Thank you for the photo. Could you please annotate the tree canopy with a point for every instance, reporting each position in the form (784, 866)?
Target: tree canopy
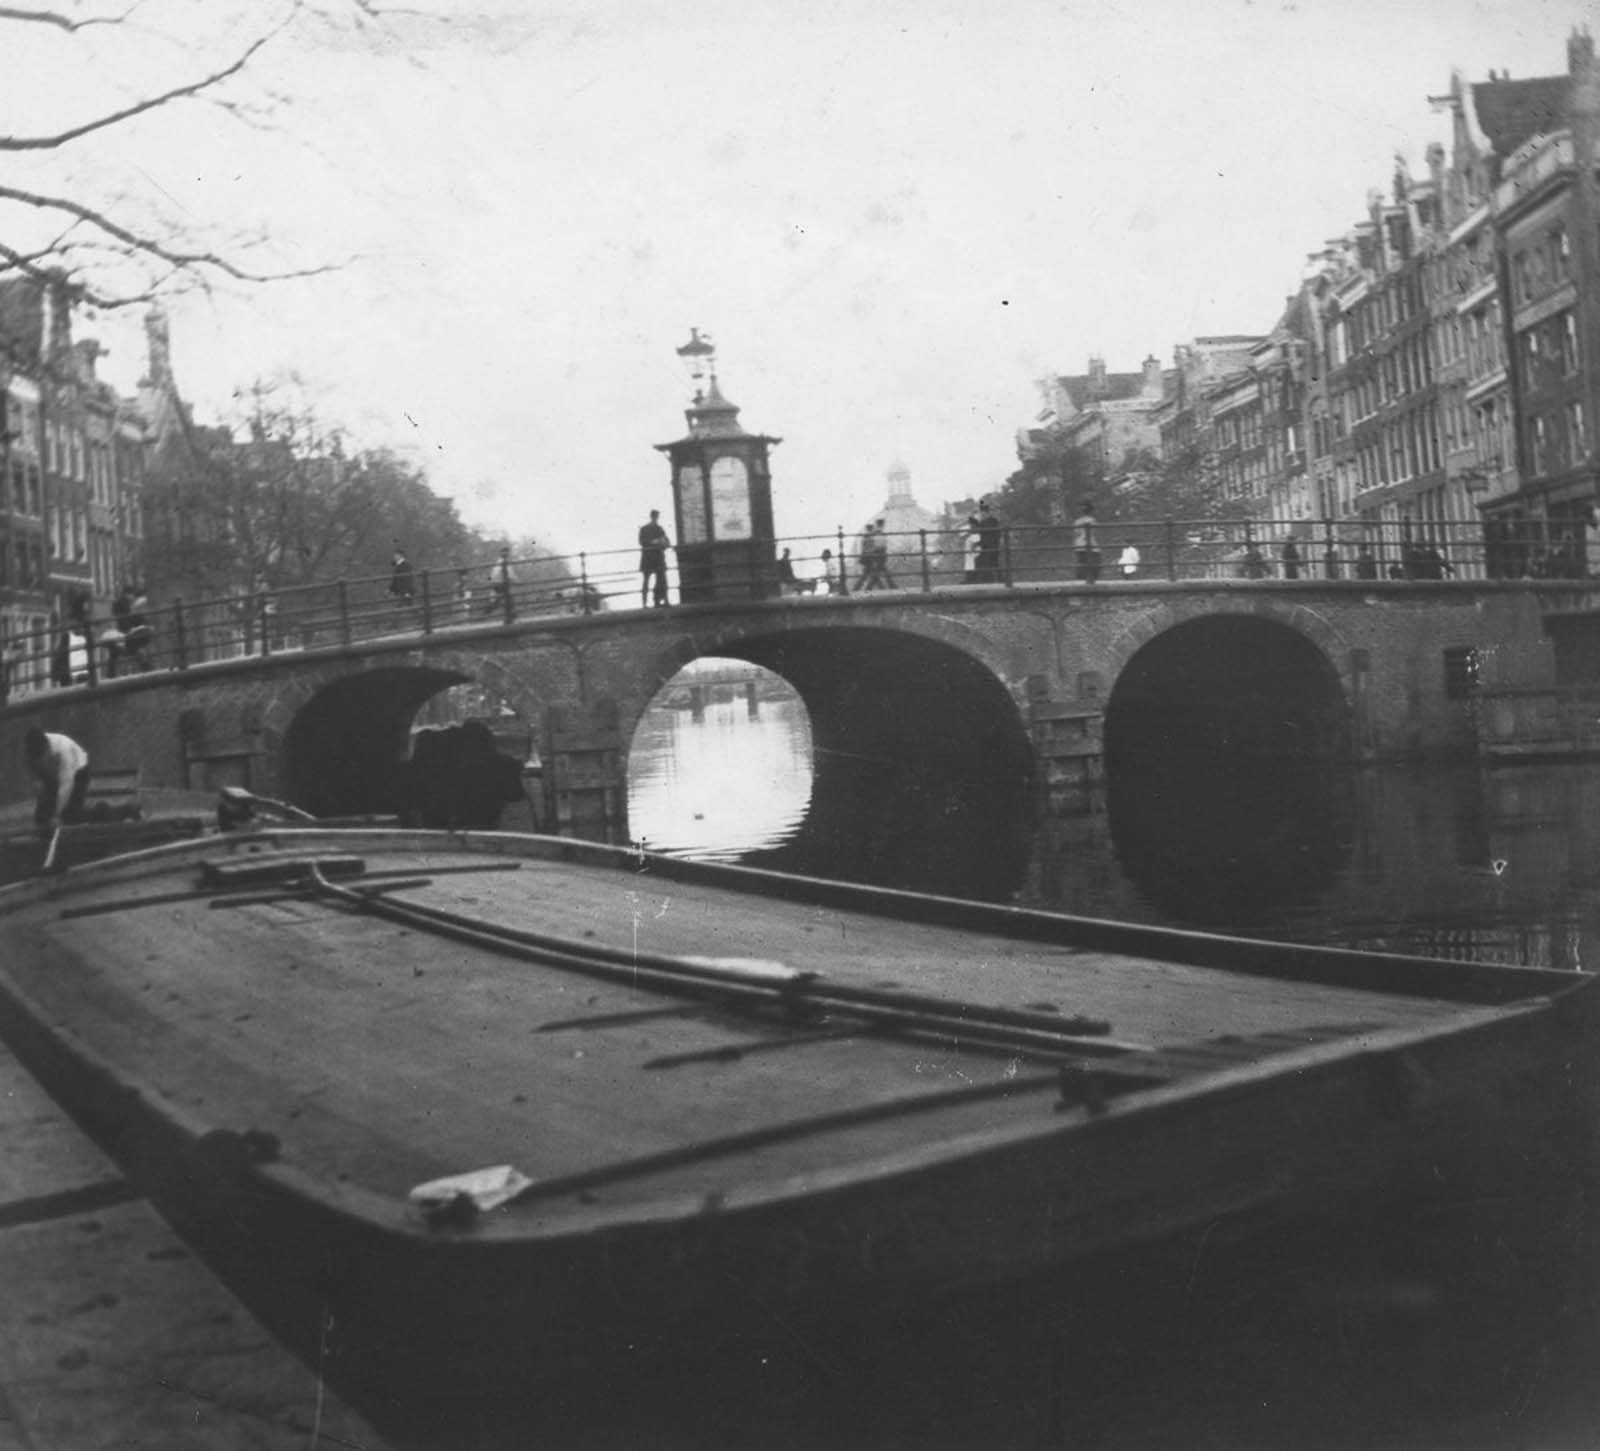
(279, 499)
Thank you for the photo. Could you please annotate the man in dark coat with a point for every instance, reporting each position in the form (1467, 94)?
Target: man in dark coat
(401, 582)
(653, 547)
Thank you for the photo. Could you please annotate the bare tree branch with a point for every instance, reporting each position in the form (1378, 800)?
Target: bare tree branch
(149, 246)
(150, 103)
(115, 257)
(62, 22)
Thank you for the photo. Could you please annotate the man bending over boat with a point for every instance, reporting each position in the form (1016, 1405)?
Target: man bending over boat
(61, 767)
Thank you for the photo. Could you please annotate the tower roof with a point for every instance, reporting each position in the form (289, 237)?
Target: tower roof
(713, 416)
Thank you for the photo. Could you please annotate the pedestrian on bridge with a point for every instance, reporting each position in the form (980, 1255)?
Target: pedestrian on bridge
(874, 554)
(653, 547)
(500, 585)
(1087, 543)
(788, 583)
(989, 530)
(401, 580)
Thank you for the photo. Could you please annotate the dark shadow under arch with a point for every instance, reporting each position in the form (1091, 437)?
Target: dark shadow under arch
(1229, 783)
(341, 751)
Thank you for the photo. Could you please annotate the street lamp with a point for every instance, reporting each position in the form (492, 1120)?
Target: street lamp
(699, 356)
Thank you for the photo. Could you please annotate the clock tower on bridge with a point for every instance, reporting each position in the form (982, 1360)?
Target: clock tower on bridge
(722, 493)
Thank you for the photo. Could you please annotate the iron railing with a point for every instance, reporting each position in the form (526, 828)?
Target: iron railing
(264, 622)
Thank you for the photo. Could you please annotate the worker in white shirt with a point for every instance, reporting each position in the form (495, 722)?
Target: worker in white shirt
(61, 767)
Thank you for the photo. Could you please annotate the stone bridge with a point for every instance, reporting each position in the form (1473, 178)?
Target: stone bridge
(975, 686)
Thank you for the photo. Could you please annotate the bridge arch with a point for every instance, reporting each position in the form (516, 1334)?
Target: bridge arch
(330, 738)
(917, 743)
(1294, 615)
(1228, 746)
(1246, 680)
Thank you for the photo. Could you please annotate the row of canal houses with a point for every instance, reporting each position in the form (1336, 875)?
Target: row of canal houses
(1434, 378)
(74, 455)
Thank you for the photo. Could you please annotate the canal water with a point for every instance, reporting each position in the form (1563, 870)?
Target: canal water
(1494, 865)
(1465, 1331)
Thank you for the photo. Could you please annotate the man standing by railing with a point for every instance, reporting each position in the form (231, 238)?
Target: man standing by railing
(401, 580)
(1086, 543)
(500, 584)
(653, 547)
(989, 531)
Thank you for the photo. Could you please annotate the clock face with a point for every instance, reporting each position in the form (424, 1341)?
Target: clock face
(730, 498)
(691, 505)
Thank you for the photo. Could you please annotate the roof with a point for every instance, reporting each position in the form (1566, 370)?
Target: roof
(1509, 112)
(1081, 388)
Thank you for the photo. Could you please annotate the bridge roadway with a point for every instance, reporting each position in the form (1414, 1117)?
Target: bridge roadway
(976, 684)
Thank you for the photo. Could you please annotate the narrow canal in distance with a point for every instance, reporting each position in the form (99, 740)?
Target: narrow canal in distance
(1458, 862)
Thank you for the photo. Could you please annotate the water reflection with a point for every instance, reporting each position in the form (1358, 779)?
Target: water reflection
(720, 784)
(1236, 847)
(1459, 862)
(888, 823)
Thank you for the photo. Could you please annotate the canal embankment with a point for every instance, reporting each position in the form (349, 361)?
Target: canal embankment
(112, 1334)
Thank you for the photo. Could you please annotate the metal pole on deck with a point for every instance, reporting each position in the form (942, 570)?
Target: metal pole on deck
(927, 576)
(583, 581)
(344, 613)
(1172, 550)
(180, 646)
(427, 602)
(844, 572)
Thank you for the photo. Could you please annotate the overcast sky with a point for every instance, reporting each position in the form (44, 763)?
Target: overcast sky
(892, 219)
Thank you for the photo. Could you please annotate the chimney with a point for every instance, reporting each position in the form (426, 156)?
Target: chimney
(1152, 376)
(1097, 377)
(1580, 51)
(86, 352)
(55, 318)
(158, 348)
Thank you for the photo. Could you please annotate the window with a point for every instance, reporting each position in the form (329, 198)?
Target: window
(1561, 252)
(1460, 672)
(1577, 435)
(1569, 344)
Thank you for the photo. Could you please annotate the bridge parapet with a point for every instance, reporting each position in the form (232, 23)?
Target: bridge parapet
(1055, 652)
